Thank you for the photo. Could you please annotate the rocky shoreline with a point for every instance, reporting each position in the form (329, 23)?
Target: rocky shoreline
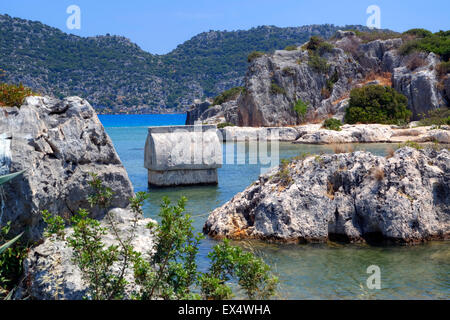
(352, 197)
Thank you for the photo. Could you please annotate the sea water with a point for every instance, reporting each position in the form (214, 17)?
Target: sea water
(312, 271)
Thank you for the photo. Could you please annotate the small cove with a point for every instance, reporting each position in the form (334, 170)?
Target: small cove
(313, 271)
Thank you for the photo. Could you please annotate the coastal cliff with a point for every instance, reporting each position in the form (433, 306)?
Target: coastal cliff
(300, 84)
(350, 197)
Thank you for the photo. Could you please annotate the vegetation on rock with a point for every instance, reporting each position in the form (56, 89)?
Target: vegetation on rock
(12, 253)
(332, 124)
(13, 95)
(171, 272)
(301, 108)
(436, 117)
(423, 40)
(276, 89)
(228, 95)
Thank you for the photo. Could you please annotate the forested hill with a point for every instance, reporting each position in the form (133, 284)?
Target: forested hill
(115, 75)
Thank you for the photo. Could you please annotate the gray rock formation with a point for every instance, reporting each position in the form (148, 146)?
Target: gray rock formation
(205, 113)
(195, 111)
(58, 143)
(352, 197)
(50, 273)
(420, 86)
(274, 83)
(182, 155)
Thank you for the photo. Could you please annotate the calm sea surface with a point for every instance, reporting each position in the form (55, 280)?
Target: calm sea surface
(324, 271)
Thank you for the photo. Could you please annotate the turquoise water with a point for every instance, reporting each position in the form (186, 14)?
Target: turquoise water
(314, 271)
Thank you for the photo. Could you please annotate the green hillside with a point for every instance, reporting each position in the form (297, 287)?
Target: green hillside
(115, 75)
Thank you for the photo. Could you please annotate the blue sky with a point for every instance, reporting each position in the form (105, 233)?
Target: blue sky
(159, 26)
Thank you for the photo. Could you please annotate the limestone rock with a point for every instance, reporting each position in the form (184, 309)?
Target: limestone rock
(420, 86)
(58, 143)
(351, 197)
(349, 134)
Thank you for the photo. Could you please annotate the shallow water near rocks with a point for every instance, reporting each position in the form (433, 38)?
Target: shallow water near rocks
(313, 271)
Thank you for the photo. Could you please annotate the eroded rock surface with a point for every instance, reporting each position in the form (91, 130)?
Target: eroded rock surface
(58, 143)
(352, 197)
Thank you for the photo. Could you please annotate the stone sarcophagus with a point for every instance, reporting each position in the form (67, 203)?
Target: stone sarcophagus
(182, 155)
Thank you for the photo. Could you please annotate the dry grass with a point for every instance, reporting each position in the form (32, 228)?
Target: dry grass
(378, 174)
(415, 60)
(342, 148)
(383, 78)
(390, 152)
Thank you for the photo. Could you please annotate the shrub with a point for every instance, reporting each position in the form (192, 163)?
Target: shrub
(276, 89)
(224, 125)
(419, 33)
(13, 95)
(377, 104)
(318, 63)
(438, 43)
(228, 95)
(301, 108)
(12, 253)
(369, 36)
(255, 54)
(283, 175)
(436, 117)
(290, 48)
(325, 47)
(443, 68)
(332, 124)
(171, 272)
(314, 43)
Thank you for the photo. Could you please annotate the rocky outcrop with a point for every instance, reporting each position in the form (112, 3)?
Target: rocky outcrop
(58, 143)
(274, 83)
(205, 113)
(349, 197)
(420, 85)
(49, 270)
(195, 111)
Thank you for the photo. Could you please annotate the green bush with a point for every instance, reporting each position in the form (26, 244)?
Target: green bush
(228, 95)
(224, 125)
(318, 63)
(255, 54)
(332, 124)
(290, 48)
(436, 117)
(12, 252)
(13, 95)
(276, 89)
(301, 108)
(419, 33)
(438, 43)
(377, 104)
(314, 43)
(325, 47)
(369, 36)
(171, 272)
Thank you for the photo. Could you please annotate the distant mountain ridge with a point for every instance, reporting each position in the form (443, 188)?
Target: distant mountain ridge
(117, 76)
